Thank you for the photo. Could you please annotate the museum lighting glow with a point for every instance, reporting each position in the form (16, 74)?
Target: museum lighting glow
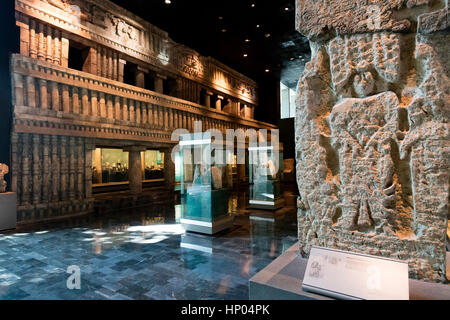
(174, 229)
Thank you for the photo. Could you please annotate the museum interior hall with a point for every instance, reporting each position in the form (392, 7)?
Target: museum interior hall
(225, 150)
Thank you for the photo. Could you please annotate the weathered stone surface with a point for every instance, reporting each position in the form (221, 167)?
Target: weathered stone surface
(326, 18)
(3, 171)
(372, 131)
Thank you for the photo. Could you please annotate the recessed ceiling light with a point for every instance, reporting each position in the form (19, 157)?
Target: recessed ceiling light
(245, 55)
(258, 26)
(247, 40)
(267, 70)
(253, 5)
(168, 2)
(286, 9)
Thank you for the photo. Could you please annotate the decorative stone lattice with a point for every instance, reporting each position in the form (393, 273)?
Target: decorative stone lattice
(372, 132)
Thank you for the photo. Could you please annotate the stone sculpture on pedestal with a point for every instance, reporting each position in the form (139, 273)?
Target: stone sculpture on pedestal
(4, 170)
(372, 131)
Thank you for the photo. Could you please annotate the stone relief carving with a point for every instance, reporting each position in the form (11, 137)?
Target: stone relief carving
(372, 132)
(4, 170)
(188, 61)
(121, 28)
(82, 10)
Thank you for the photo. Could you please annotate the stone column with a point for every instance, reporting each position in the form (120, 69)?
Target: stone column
(138, 112)
(207, 96)
(159, 83)
(91, 61)
(135, 168)
(75, 101)
(36, 170)
(26, 183)
(31, 92)
(33, 40)
(15, 158)
(89, 147)
(24, 37)
(49, 45)
(121, 69)
(55, 96)
(65, 99)
(43, 94)
(110, 106)
(102, 104)
(57, 47)
(18, 89)
(41, 42)
(94, 103)
(140, 76)
(79, 187)
(46, 174)
(169, 169)
(219, 100)
(64, 50)
(85, 101)
(118, 113)
(55, 168)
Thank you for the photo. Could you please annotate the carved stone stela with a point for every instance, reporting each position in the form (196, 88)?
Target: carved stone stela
(372, 132)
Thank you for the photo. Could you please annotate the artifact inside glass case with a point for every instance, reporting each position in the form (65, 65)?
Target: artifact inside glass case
(265, 174)
(206, 181)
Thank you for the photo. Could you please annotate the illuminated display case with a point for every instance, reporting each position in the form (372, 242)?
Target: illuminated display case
(265, 175)
(206, 183)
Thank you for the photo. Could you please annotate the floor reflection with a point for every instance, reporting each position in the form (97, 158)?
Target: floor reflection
(141, 254)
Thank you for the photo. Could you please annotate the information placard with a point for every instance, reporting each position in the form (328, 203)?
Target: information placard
(347, 275)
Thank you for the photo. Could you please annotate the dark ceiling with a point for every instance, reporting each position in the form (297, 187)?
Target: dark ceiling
(229, 29)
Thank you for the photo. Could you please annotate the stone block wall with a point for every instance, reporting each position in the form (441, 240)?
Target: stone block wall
(52, 176)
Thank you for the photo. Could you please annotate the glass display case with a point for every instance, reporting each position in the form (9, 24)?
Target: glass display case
(109, 166)
(206, 182)
(265, 174)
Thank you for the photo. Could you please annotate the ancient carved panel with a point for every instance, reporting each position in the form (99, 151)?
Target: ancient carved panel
(372, 132)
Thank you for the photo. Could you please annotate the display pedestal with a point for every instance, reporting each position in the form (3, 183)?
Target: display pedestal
(282, 280)
(8, 211)
(266, 205)
(268, 216)
(207, 227)
(197, 242)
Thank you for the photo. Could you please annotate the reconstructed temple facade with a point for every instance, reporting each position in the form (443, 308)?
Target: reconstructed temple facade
(372, 131)
(97, 92)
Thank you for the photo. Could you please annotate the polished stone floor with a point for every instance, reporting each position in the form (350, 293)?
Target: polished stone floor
(140, 254)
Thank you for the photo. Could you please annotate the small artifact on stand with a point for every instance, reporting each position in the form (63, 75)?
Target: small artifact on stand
(4, 170)
(8, 200)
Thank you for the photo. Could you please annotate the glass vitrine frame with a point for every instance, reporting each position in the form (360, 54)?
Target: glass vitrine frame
(205, 184)
(265, 169)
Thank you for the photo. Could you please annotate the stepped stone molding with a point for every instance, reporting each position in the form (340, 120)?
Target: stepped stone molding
(106, 24)
(372, 130)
